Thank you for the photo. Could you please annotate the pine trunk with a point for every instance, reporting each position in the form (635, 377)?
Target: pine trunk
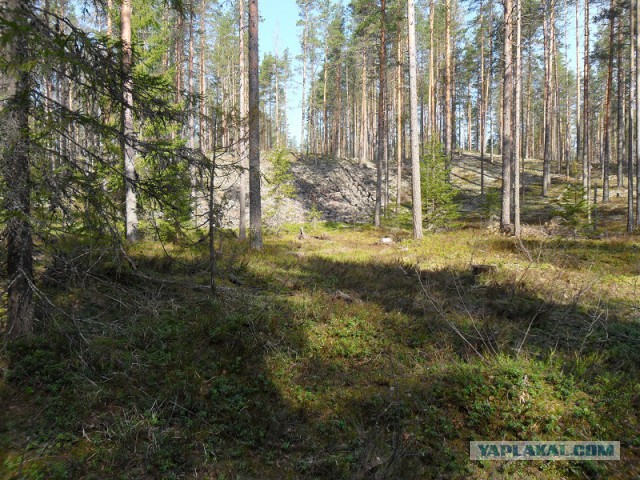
(507, 132)
(244, 131)
(448, 86)
(399, 125)
(516, 124)
(607, 110)
(255, 200)
(413, 109)
(381, 116)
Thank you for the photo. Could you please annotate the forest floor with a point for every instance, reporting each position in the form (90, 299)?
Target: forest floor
(333, 356)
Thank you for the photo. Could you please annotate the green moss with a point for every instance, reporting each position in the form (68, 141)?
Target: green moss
(333, 352)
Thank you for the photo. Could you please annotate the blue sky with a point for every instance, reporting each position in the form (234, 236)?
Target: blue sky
(278, 29)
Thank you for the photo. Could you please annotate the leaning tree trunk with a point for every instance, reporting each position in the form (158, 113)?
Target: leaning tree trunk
(255, 200)
(15, 88)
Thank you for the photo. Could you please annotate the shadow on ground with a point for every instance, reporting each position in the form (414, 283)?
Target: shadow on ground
(316, 368)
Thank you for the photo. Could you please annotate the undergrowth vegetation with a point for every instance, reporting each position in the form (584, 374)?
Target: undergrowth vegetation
(332, 357)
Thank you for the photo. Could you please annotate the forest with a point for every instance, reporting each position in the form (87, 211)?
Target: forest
(401, 227)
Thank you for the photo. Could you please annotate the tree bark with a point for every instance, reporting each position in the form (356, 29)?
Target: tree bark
(131, 215)
(630, 121)
(636, 94)
(578, 92)
(202, 81)
(255, 200)
(381, 115)
(482, 110)
(516, 124)
(586, 146)
(549, 119)
(620, 108)
(448, 86)
(431, 91)
(244, 131)
(413, 109)
(305, 47)
(179, 46)
(399, 125)
(607, 110)
(507, 132)
(14, 123)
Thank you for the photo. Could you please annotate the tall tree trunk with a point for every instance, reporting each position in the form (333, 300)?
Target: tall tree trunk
(109, 21)
(578, 100)
(325, 112)
(14, 123)
(469, 143)
(549, 118)
(244, 130)
(568, 121)
(276, 77)
(336, 141)
(202, 81)
(399, 126)
(363, 114)
(413, 110)
(448, 86)
(179, 46)
(482, 107)
(636, 95)
(620, 80)
(255, 199)
(517, 124)
(631, 147)
(381, 114)
(528, 139)
(607, 110)
(431, 91)
(305, 48)
(488, 93)
(211, 213)
(131, 215)
(191, 134)
(586, 138)
(507, 112)
(191, 83)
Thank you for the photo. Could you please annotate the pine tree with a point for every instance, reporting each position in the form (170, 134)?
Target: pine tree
(16, 83)
(255, 199)
(416, 194)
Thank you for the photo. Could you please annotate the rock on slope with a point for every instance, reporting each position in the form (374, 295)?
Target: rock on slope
(335, 190)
